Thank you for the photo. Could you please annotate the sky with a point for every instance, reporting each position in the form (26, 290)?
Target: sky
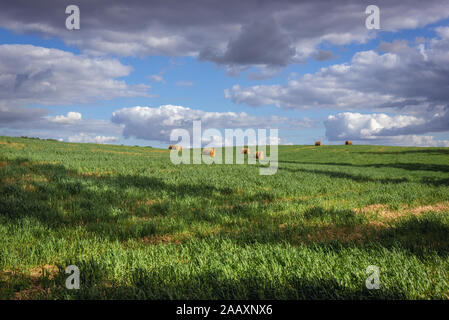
(136, 70)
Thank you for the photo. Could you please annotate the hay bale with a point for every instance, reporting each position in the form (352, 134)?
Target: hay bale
(209, 152)
(348, 142)
(246, 151)
(259, 155)
(318, 143)
(174, 147)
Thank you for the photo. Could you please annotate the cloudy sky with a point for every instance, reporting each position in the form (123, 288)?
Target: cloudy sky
(135, 70)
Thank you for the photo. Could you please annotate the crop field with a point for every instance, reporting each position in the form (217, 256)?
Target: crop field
(140, 227)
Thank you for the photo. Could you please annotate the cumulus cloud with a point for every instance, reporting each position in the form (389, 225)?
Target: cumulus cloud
(71, 117)
(37, 75)
(260, 42)
(157, 123)
(356, 126)
(38, 122)
(89, 138)
(372, 79)
(410, 140)
(378, 128)
(419, 141)
(235, 33)
(31, 75)
(403, 79)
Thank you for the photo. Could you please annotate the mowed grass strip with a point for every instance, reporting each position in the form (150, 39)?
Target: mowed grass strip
(139, 227)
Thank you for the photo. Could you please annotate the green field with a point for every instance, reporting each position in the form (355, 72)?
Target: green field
(139, 227)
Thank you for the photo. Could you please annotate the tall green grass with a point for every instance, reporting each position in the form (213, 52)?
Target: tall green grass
(139, 227)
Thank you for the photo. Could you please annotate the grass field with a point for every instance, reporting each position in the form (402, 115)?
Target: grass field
(139, 227)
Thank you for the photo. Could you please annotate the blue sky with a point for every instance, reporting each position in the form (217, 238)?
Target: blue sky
(189, 80)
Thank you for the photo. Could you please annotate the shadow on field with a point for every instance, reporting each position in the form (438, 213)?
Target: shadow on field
(435, 181)
(418, 236)
(211, 284)
(429, 151)
(344, 175)
(214, 284)
(103, 205)
(405, 166)
(361, 178)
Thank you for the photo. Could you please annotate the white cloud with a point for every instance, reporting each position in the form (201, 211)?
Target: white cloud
(37, 75)
(411, 81)
(71, 117)
(374, 128)
(412, 77)
(89, 138)
(356, 126)
(420, 141)
(234, 33)
(410, 140)
(36, 122)
(157, 123)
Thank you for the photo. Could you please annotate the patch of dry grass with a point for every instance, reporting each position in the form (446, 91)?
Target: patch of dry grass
(382, 211)
(14, 145)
